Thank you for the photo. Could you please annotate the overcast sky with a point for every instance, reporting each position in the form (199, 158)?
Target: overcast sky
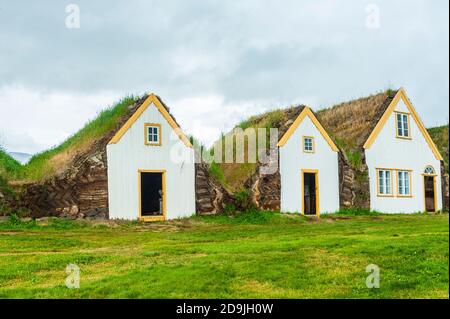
(213, 62)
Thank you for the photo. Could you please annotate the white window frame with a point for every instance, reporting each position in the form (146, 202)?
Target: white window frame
(313, 147)
(404, 183)
(426, 172)
(385, 185)
(402, 125)
(147, 134)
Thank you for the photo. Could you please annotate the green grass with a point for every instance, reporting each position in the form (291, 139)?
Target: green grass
(9, 169)
(269, 119)
(249, 255)
(216, 172)
(45, 164)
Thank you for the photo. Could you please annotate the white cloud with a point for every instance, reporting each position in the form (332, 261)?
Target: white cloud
(32, 121)
(206, 117)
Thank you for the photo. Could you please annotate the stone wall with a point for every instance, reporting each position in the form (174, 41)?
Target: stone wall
(265, 188)
(361, 185)
(81, 189)
(80, 192)
(211, 196)
(354, 185)
(346, 182)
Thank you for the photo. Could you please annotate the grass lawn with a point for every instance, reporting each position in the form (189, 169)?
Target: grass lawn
(258, 255)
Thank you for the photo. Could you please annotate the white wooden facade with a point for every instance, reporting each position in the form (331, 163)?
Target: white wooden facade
(321, 160)
(385, 151)
(129, 154)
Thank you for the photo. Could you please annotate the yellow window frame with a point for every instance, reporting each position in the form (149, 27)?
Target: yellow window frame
(313, 144)
(396, 113)
(146, 141)
(378, 182)
(398, 182)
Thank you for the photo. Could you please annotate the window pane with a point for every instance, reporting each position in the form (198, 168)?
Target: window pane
(381, 182)
(308, 142)
(403, 183)
(388, 182)
(153, 134)
(399, 125)
(407, 190)
(405, 125)
(402, 125)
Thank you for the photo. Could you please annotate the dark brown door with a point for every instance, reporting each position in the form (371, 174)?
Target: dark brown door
(309, 193)
(151, 194)
(429, 193)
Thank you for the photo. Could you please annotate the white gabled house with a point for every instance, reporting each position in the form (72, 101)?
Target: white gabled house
(151, 167)
(309, 170)
(403, 162)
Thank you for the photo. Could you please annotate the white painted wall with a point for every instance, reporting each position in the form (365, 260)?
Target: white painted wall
(388, 151)
(293, 160)
(131, 154)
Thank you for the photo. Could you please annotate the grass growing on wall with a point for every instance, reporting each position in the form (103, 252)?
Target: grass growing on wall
(249, 255)
(440, 138)
(216, 172)
(47, 163)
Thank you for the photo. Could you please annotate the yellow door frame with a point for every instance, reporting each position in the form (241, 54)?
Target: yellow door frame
(163, 178)
(316, 175)
(434, 192)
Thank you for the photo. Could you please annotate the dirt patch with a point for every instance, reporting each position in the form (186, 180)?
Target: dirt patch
(339, 217)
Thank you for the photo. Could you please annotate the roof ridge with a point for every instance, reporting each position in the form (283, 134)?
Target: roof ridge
(390, 94)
